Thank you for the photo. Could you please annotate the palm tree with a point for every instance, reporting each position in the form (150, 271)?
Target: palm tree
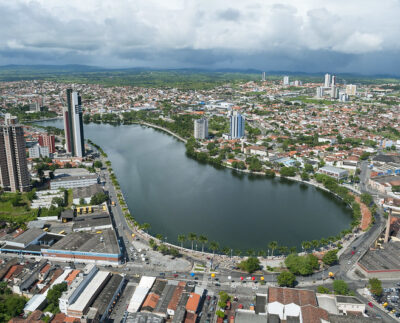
(214, 246)
(283, 250)
(238, 252)
(181, 239)
(159, 236)
(225, 250)
(145, 226)
(315, 244)
(250, 252)
(192, 237)
(273, 245)
(331, 240)
(203, 240)
(293, 249)
(323, 242)
(261, 253)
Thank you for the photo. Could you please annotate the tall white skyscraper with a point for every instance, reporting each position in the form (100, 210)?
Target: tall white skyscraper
(333, 81)
(201, 128)
(263, 77)
(286, 80)
(334, 92)
(327, 82)
(73, 125)
(237, 125)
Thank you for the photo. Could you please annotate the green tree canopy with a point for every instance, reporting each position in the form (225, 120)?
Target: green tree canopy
(330, 258)
(250, 265)
(301, 265)
(375, 286)
(340, 287)
(286, 279)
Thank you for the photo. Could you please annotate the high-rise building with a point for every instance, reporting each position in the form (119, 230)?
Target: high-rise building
(333, 81)
(73, 125)
(334, 92)
(237, 125)
(263, 77)
(327, 82)
(201, 128)
(14, 175)
(37, 151)
(320, 92)
(351, 89)
(286, 80)
(49, 141)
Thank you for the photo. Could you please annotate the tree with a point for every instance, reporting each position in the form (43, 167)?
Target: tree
(250, 252)
(182, 239)
(286, 279)
(58, 200)
(305, 176)
(220, 313)
(145, 226)
(192, 237)
(250, 265)
(82, 201)
(288, 171)
(98, 164)
(340, 287)
(315, 244)
(270, 173)
(273, 245)
(214, 246)
(366, 199)
(53, 297)
(323, 290)
(375, 286)
(16, 199)
(238, 252)
(159, 236)
(203, 240)
(301, 265)
(99, 198)
(308, 168)
(330, 258)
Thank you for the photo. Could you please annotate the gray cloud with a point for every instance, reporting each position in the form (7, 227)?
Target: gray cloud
(346, 36)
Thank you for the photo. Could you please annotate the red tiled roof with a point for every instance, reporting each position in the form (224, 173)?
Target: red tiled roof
(312, 314)
(300, 297)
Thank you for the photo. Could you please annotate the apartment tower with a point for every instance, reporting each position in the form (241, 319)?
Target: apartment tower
(237, 125)
(73, 125)
(14, 175)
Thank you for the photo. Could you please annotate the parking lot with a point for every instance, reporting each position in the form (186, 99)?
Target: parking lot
(390, 300)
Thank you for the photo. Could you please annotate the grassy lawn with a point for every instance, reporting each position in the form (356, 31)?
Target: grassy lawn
(20, 213)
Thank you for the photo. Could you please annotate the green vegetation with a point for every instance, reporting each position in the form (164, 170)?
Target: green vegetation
(286, 279)
(375, 286)
(20, 112)
(99, 198)
(53, 297)
(250, 265)
(223, 299)
(15, 207)
(323, 290)
(98, 164)
(302, 265)
(288, 171)
(11, 305)
(330, 258)
(366, 198)
(340, 287)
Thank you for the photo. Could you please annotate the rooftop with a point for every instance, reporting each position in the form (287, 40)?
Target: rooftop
(382, 259)
(291, 295)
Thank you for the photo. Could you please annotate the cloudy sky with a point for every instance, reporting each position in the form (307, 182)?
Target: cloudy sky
(361, 36)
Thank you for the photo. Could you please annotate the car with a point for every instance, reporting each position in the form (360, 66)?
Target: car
(217, 284)
(349, 262)
(398, 284)
(208, 297)
(211, 309)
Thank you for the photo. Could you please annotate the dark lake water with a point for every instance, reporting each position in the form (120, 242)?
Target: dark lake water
(178, 195)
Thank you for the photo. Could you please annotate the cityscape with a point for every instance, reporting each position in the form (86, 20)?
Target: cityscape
(162, 163)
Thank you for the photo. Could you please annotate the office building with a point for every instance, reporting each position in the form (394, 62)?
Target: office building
(237, 125)
(351, 89)
(286, 80)
(320, 92)
(14, 175)
(73, 125)
(38, 151)
(263, 77)
(201, 128)
(327, 82)
(48, 141)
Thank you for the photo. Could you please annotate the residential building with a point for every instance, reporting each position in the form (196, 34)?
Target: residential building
(320, 92)
(14, 175)
(333, 81)
(237, 125)
(351, 89)
(286, 80)
(334, 92)
(327, 82)
(47, 140)
(201, 128)
(37, 151)
(73, 125)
